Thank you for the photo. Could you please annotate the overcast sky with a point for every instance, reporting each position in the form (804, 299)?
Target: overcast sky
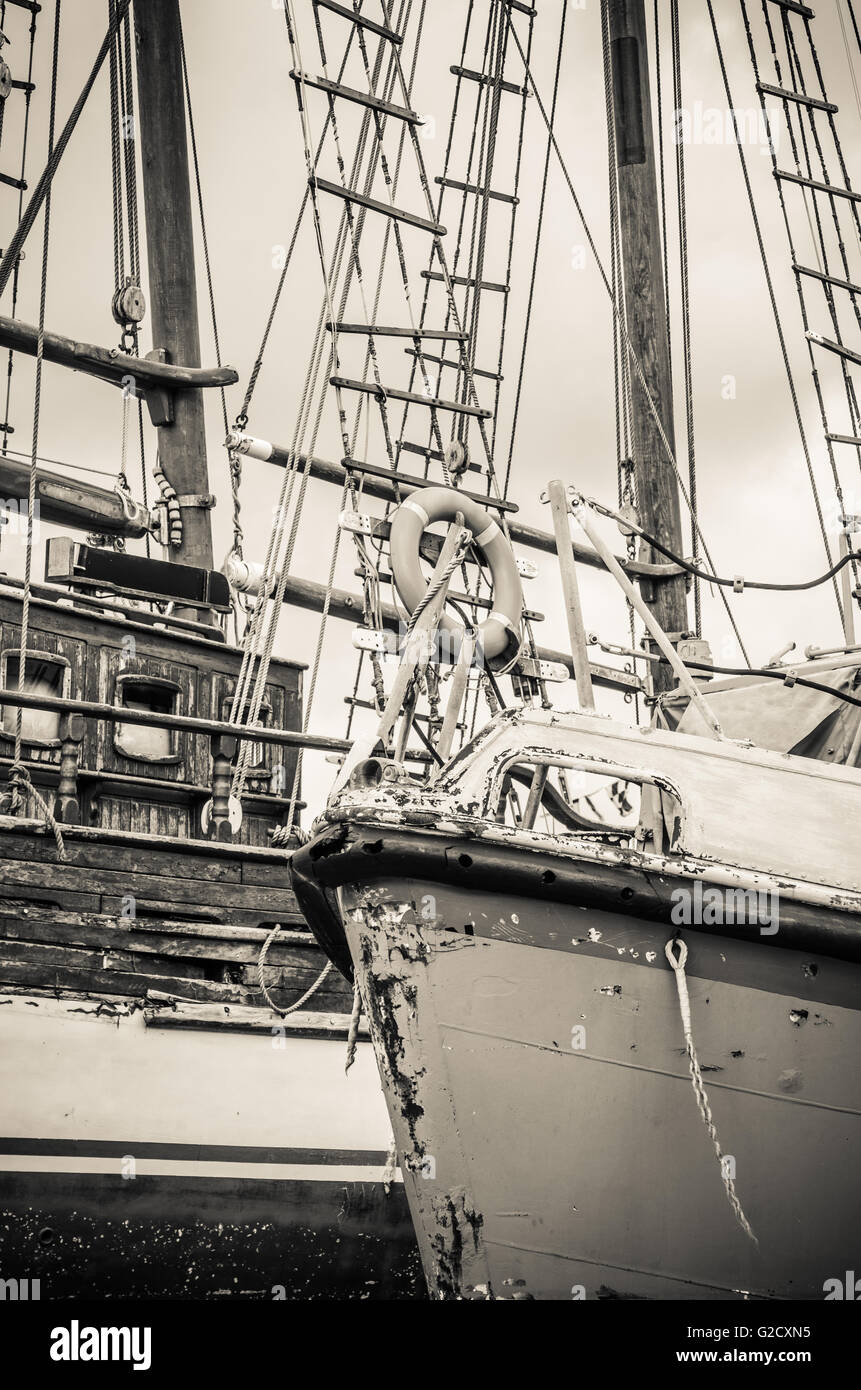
(755, 502)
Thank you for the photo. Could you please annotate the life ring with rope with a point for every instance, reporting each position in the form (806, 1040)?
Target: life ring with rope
(499, 637)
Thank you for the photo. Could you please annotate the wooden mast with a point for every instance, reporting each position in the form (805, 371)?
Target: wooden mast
(645, 308)
(170, 259)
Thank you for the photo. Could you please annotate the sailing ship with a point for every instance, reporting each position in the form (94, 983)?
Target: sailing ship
(176, 1118)
(610, 969)
(667, 901)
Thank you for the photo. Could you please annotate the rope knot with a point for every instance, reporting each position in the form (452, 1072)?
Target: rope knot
(19, 779)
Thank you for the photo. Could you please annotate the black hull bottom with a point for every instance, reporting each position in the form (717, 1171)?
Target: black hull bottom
(201, 1238)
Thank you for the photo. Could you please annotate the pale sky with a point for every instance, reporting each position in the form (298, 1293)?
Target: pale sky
(755, 502)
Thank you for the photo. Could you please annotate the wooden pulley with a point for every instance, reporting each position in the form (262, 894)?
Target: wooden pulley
(456, 457)
(128, 304)
(5, 80)
(628, 513)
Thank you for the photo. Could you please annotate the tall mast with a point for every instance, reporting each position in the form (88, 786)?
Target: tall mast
(170, 258)
(645, 308)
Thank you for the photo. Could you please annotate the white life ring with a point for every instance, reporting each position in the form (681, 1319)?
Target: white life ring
(499, 637)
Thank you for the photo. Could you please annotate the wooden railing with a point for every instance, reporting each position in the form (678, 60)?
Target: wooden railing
(224, 741)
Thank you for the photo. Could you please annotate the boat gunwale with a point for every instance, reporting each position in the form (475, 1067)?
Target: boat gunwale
(344, 853)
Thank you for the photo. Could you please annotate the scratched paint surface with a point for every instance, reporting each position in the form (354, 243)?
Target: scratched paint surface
(532, 1164)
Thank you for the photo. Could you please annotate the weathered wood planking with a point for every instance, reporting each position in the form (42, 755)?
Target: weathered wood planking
(47, 947)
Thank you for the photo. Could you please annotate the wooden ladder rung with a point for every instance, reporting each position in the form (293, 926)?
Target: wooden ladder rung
(13, 183)
(465, 280)
(20, 86)
(26, 5)
(827, 279)
(360, 20)
(384, 331)
(483, 79)
(795, 7)
(524, 9)
(844, 439)
(375, 470)
(421, 450)
(846, 353)
(370, 388)
(350, 196)
(801, 97)
(474, 188)
(819, 187)
(446, 362)
(335, 89)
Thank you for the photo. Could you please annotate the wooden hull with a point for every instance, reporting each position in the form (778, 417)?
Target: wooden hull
(187, 1161)
(549, 1133)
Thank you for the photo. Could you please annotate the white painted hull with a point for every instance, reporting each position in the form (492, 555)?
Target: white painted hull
(545, 1162)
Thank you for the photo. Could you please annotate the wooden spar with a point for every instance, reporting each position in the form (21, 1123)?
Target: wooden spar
(71, 502)
(520, 533)
(141, 375)
(659, 637)
(170, 259)
(124, 714)
(347, 607)
(846, 590)
(645, 306)
(571, 593)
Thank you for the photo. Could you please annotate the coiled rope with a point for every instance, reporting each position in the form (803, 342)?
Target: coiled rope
(678, 964)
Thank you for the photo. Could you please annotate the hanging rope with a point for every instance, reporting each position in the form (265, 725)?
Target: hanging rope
(678, 964)
(353, 1032)
(20, 783)
(18, 776)
(261, 962)
(687, 352)
(28, 93)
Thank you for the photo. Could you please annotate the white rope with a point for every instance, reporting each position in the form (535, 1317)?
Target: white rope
(678, 964)
(276, 1008)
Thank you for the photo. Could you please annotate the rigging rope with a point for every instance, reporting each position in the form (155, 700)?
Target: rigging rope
(533, 274)
(631, 351)
(28, 93)
(261, 635)
(738, 582)
(772, 296)
(18, 775)
(687, 354)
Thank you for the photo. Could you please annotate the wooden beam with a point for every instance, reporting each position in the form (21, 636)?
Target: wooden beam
(71, 502)
(119, 714)
(170, 257)
(141, 374)
(645, 304)
(377, 484)
(340, 603)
